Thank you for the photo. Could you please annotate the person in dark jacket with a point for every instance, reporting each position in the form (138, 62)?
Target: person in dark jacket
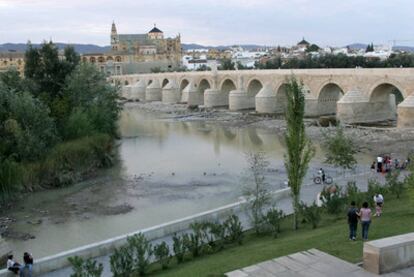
(352, 220)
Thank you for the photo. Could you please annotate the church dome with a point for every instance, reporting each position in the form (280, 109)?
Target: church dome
(155, 30)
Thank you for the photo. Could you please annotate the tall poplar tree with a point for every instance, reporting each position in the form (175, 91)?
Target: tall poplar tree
(299, 148)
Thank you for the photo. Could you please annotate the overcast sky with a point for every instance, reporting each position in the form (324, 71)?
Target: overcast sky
(211, 22)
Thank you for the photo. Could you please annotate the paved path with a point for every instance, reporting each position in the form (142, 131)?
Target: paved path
(311, 263)
(308, 195)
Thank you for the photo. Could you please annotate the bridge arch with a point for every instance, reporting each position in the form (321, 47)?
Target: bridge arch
(183, 84)
(384, 99)
(329, 94)
(203, 85)
(227, 85)
(281, 98)
(164, 82)
(253, 87)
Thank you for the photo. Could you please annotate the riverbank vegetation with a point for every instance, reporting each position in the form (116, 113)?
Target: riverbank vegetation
(57, 123)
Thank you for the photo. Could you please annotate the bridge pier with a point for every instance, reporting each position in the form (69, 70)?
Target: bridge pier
(311, 106)
(171, 93)
(240, 100)
(215, 98)
(153, 91)
(138, 90)
(266, 101)
(195, 97)
(355, 107)
(352, 108)
(126, 92)
(406, 113)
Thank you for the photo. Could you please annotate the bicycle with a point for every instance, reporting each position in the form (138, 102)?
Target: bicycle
(318, 180)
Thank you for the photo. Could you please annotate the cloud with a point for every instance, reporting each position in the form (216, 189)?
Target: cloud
(270, 22)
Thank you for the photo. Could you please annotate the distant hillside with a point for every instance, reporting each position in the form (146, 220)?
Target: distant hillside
(92, 48)
(80, 48)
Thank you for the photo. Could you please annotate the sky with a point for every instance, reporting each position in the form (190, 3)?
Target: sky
(211, 22)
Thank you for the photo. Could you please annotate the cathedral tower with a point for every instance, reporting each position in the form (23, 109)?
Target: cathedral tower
(114, 37)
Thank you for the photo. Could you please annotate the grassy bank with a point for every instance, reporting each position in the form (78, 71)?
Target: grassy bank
(331, 237)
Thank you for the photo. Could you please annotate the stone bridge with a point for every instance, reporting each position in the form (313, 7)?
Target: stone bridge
(353, 95)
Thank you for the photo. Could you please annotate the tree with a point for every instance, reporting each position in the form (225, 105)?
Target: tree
(370, 48)
(299, 148)
(340, 149)
(227, 64)
(257, 192)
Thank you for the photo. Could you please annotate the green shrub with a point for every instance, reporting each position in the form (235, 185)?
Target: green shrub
(214, 234)
(354, 194)
(82, 268)
(333, 200)
(375, 187)
(71, 161)
(179, 247)
(162, 254)
(194, 241)
(233, 229)
(394, 185)
(274, 219)
(311, 214)
(121, 262)
(141, 250)
(10, 179)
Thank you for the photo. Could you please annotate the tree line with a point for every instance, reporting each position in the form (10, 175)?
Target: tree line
(338, 61)
(57, 123)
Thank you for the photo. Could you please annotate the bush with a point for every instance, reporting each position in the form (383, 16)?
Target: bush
(233, 229)
(10, 179)
(395, 186)
(162, 254)
(274, 219)
(194, 240)
(311, 214)
(121, 262)
(375, 187)
(333, 200)
(354, 194)
(141, 251)
(179, 248)
(82, 268)
(71, 161)
(215, 234)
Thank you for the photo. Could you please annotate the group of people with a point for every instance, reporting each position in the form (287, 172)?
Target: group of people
(25, 270)
(363, 215)
(385, 163)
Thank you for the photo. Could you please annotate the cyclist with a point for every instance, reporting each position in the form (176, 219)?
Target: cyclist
(321, 172)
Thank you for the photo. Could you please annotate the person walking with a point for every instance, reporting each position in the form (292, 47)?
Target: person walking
(352, 221)
(379, 202)
(365, 216)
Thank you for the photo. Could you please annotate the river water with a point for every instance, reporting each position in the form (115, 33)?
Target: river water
(168, 169)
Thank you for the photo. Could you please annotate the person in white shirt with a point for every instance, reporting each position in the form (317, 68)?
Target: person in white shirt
(12, 265)
(379, 201)
(380, 160)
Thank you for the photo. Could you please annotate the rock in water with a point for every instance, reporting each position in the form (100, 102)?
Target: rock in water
(4, 251)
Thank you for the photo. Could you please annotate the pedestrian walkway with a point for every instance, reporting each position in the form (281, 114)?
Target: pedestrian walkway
(311, 263)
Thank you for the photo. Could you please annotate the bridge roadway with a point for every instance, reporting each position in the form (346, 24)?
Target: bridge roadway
(354, 95)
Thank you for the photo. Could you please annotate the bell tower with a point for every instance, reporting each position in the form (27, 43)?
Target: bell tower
(114, 37)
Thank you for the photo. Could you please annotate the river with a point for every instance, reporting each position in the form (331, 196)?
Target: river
(167, 169)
